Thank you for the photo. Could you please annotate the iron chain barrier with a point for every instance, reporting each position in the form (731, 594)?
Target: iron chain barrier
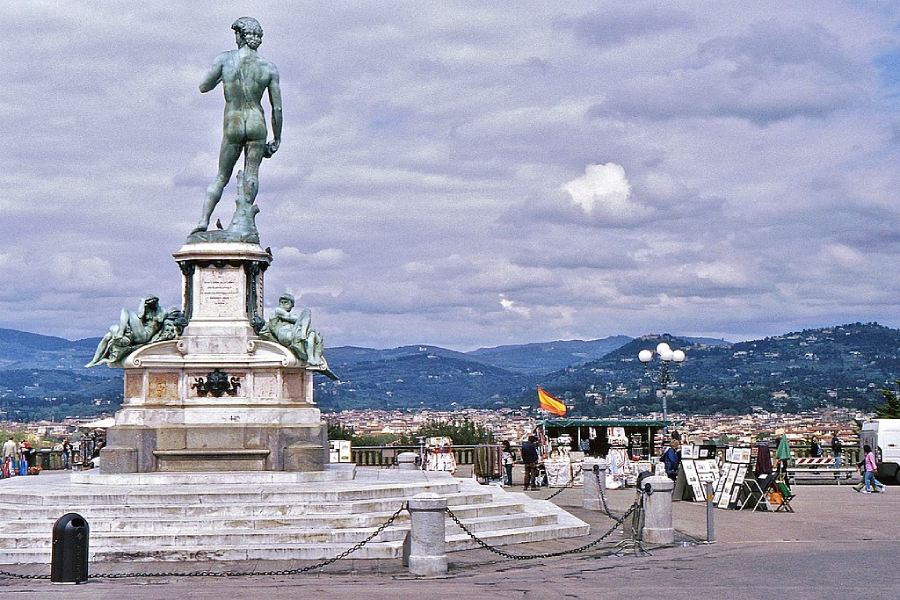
(320, 565)
(512, 556)
(324, 563)
(569, 484)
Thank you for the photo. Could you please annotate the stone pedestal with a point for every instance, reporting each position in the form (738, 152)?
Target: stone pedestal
(658, 511)
(218, 398)
(594, 471)
(427, 545)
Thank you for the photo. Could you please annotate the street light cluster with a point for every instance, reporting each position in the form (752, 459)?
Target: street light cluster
(666, 355)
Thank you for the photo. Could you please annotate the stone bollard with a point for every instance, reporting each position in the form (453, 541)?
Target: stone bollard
(658, 511)
(425, 550)
(594, 471)
(407, 461)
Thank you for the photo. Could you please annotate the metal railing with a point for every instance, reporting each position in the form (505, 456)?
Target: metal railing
(386, 456)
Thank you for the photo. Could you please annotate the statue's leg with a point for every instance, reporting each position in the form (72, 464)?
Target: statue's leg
(228, 155)
(102, 348)
(252, 159)
(303, 323)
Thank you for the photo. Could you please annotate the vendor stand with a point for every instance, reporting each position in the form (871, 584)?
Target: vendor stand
(628, 446)
(439, 455)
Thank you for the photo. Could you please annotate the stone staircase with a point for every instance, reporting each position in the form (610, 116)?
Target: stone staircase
(240, 516)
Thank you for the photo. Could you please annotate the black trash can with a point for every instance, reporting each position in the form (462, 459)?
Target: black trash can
(69, 559)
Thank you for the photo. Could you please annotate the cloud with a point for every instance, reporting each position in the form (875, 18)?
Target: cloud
(602, 187)
(469, 176)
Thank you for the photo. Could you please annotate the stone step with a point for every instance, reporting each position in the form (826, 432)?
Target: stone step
(308, 550)
(186, 522)
(152, 537)
(100, 519)
(187, 496)
(55, 509)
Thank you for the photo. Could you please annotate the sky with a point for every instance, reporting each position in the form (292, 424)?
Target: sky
(467, 173)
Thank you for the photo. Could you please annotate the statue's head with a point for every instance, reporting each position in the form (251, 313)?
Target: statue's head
(248, 32)
(287, 300)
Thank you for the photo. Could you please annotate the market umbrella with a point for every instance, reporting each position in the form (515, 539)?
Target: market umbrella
(784, 449)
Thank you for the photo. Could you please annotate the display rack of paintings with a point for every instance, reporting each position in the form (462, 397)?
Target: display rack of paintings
(698, 467)
(737, 461)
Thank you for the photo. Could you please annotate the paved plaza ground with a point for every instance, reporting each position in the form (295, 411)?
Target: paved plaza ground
(837, 544)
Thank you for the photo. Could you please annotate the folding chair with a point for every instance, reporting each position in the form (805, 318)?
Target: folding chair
(786, 496)
(755, 492)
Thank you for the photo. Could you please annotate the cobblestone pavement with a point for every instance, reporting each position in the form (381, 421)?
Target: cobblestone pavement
(837, 544)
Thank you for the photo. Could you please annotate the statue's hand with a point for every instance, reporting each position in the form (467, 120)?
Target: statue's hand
(272, 148)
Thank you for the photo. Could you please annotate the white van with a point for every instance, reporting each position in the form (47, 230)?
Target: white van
(883, 435)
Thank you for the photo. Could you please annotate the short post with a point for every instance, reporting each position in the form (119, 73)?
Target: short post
(594, 471)
(426, 543)
(710, 535)
(658, 511)
(406, 461)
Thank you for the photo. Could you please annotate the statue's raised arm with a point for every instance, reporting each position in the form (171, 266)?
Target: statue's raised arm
(245, 76)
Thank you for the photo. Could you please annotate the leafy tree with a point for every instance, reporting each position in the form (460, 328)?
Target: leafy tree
(336, 431)
(465, 432)
(891, 408)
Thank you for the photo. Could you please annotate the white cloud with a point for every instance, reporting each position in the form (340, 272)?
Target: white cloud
(602, 187)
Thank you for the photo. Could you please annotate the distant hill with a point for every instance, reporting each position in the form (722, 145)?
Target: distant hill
(542, 358)
(845, 365)
(43, 376)
(22, 350)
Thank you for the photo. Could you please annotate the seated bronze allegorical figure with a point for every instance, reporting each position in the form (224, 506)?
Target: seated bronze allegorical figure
(150, 324)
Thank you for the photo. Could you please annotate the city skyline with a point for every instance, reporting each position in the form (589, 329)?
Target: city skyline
(469, 175)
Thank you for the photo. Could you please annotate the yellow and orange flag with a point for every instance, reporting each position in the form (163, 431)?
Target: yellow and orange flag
(551, 404)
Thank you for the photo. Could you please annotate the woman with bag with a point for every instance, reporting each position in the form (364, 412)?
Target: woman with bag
(871, 466)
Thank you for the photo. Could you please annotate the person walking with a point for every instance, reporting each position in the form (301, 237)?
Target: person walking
(530, 460)
(508, 458)
(871, 466)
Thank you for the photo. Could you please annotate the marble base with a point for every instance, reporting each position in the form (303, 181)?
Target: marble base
(218, 398)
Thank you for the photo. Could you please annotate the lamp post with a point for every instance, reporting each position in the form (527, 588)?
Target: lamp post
(666, 357)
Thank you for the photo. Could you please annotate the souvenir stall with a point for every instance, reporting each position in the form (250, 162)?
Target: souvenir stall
(439, 455)
(591, 435)
(563, 467)
(627, 445)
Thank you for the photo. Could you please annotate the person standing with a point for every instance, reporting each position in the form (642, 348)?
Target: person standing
(815, 450)
(508, 458)
(66, 454)
(9, 457)
(871, 466)
(671, 459)
(837, 447)
(530, 460)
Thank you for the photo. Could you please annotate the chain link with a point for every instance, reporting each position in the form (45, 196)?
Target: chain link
(320, 565)
(578, 550)
(571, 483)
(602, 489)
(20, 576)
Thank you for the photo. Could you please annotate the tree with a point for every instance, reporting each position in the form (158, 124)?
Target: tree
(465, 433)
(891, 408)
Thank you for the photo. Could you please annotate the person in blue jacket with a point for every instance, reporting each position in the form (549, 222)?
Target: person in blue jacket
(672, 458)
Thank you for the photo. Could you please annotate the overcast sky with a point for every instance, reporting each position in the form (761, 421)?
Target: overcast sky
(468, 173)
